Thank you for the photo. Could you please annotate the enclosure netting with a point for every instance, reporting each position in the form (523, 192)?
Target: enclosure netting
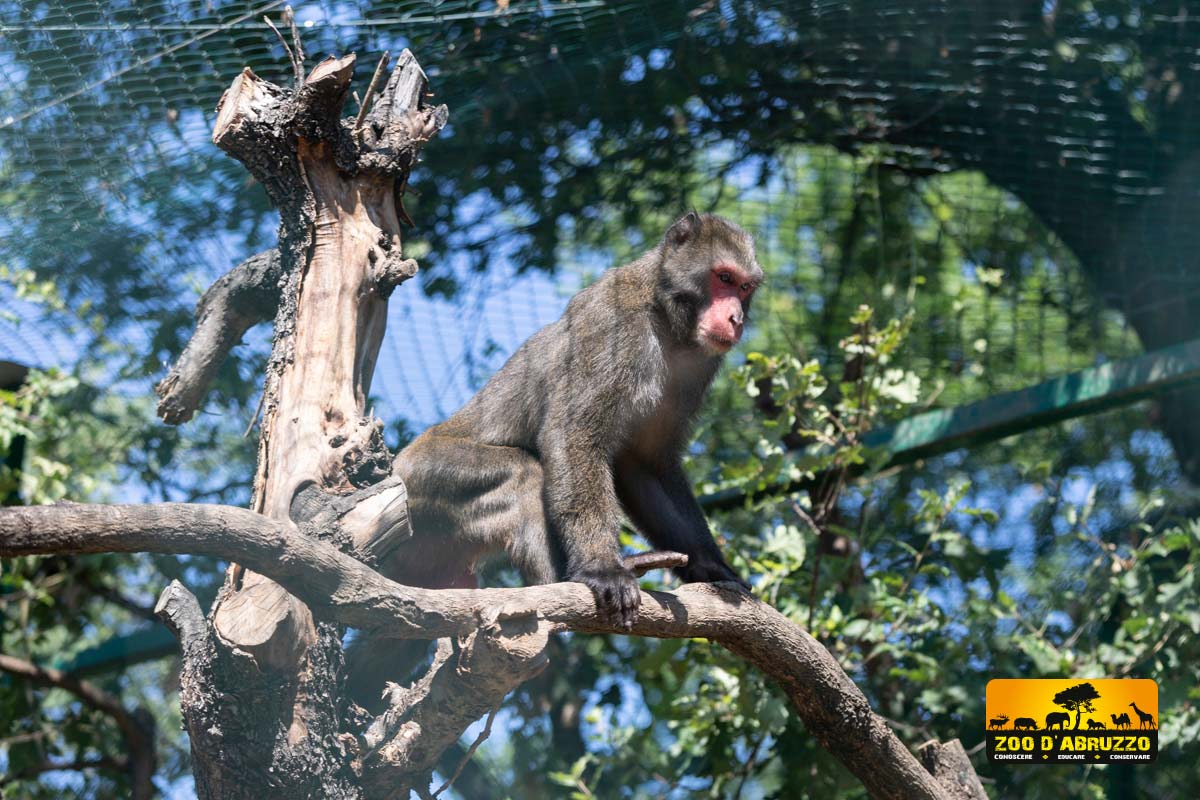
(971, 160)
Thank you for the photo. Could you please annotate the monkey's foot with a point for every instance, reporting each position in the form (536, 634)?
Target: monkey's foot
(616, 591)
(701, 570)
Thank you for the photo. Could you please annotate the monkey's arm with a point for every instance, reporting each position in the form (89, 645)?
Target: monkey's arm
(581, 505)
(661, 505)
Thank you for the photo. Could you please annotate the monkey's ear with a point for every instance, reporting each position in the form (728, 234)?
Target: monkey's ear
(683, 230)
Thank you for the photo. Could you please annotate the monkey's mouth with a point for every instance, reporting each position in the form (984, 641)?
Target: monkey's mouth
(716, 341)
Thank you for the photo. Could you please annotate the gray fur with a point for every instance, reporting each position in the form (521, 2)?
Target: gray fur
(586, 421)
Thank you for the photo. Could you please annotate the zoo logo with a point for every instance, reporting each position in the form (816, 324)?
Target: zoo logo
(1065, 721)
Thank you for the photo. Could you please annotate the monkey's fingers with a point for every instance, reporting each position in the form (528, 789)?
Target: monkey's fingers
(629, 604)
(617, 594)
(641, 563)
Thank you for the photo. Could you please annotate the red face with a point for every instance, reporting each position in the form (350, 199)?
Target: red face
(721, 323)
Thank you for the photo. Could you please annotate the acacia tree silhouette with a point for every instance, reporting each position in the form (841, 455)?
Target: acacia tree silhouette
(1077, 699)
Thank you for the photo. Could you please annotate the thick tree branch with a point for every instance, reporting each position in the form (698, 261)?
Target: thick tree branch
(138, 732)
(467, 680)
(340, 588)
(243, 297)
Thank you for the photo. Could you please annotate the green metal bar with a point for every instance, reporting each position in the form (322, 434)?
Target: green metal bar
(1077, 394)
(122, 651)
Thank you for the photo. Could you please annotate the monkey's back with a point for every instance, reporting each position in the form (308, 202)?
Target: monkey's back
(602, 352)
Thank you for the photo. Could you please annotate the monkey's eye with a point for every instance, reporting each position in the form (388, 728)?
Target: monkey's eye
(725, 277)
(745, 287)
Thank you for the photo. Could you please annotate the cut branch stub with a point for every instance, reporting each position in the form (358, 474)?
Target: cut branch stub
(399, 121)
(319, 101)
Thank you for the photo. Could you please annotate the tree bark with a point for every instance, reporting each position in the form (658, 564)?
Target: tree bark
(951, 766)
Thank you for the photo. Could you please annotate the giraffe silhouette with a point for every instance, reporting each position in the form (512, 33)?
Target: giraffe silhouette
(1147, 720)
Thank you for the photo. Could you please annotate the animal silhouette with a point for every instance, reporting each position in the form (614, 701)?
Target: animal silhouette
(1146, 720)
(1093, 725)
(1025, 724)
(998, 722)
(1121, 721)
(1059, 718)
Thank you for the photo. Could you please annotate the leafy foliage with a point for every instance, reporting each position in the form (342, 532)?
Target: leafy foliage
(77, 442)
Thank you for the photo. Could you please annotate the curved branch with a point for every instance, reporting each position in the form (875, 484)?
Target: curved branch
(138, 738)
(240, 299)
(341, 588)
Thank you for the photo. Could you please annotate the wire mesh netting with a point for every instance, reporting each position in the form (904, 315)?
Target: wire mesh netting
(1019, 175)
(1024, 159)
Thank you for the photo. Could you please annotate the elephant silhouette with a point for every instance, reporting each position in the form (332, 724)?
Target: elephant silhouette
(1059, 718)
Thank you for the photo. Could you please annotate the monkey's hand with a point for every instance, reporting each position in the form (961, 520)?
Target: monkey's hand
(616, 590)
(701, 569)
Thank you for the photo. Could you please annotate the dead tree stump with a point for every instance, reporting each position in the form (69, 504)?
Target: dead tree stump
(322, 461)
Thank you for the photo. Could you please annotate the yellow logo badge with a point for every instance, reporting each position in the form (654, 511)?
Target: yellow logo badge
(1068, 721)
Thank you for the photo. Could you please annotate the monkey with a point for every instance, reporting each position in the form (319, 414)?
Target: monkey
(587, 422)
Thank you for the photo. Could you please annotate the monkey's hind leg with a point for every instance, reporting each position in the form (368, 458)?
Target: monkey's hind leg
(469, 499)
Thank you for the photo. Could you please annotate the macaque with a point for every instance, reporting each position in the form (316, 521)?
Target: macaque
(586, 423)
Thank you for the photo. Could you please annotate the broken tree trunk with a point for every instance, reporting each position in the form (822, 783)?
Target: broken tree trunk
(338, 184)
